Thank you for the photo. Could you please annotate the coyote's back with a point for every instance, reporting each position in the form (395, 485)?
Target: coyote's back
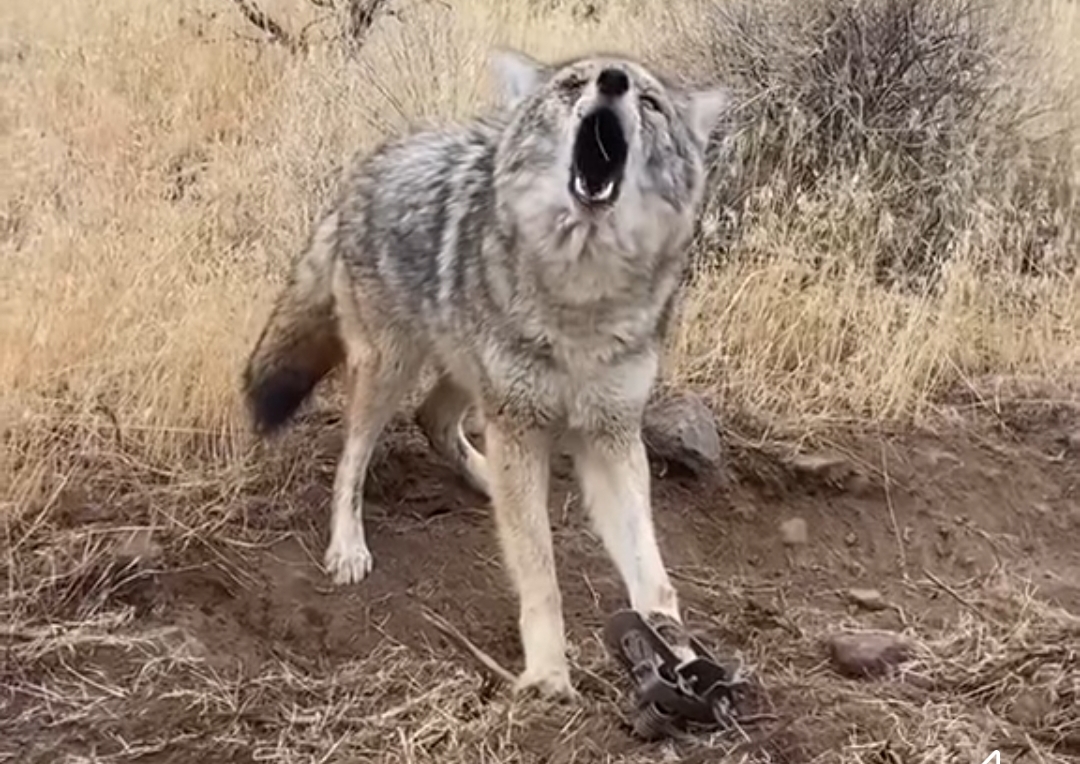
(532, 258)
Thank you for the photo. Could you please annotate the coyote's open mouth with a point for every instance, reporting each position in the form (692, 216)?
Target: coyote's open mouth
(600, 151)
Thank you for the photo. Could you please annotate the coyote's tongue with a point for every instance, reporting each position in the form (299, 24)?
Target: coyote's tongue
(599, 157)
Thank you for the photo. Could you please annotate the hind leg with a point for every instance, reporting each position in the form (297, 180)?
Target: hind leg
(379, 372)
(441, 417)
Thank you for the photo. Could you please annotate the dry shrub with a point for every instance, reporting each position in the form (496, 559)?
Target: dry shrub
(894, 205)
(924, 105)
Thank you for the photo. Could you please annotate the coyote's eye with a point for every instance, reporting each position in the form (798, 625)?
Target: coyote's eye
(572, 85)
(650, 103)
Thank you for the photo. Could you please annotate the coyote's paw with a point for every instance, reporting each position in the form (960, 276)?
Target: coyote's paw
(348, 561)
(672, 631)
(553, 684)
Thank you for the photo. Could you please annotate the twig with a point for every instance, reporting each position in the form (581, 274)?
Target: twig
(273, 30)
(753, 746)
(362, 15)
(892, 513)
(488, 664)
(956, 596)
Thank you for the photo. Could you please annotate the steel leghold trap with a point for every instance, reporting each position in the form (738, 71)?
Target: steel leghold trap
(672, 695)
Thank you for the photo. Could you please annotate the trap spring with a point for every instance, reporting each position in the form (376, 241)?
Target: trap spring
(671, 693)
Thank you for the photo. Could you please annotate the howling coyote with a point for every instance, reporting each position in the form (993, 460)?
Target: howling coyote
(531, 257)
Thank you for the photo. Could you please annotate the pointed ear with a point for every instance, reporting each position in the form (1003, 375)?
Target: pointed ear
(516, 74)
(703, 111)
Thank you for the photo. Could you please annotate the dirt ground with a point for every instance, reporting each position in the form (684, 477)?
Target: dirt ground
(164, 618)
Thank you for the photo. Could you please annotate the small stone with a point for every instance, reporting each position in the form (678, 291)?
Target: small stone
(745, 512)
(794, 532)
(855, 568)
(139, 547)
(681, 430)
(1030, 707)
(820, 463)
(832, 469)
(937, 456)
(867, 654)
(868, 599)
(851, 539)
(859, 484)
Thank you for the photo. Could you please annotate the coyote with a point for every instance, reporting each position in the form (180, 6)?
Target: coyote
(531, 257)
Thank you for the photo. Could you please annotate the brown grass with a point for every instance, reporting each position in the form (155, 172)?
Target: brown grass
(163, 169)
(898, 213)
(83, 651)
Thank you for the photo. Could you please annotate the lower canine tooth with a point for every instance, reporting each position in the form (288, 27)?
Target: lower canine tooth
(579, 186)
(606, 191)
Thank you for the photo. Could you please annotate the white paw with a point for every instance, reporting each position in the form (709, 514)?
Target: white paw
(348, 562)
(550, 684)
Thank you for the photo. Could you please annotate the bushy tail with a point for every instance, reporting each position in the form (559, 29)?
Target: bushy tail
(300, 343)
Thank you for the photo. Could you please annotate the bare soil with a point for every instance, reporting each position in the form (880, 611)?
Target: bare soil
(157, 618)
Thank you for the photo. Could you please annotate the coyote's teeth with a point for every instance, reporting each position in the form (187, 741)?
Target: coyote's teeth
(582, 190)
(579, 187)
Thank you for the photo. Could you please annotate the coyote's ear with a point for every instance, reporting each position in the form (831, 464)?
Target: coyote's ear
(703, 110)
(517, 74)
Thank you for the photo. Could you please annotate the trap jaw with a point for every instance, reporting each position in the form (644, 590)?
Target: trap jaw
(671, 694)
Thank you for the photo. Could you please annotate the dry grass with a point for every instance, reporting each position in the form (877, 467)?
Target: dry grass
(84, 651)
(898, 213)
(164, 167)
(161, 175)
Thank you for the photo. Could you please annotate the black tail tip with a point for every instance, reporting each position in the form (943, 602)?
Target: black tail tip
(275, 398)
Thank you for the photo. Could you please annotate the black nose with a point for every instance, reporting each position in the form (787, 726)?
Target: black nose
(613, 82)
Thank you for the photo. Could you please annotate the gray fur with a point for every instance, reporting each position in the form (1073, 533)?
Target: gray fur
(463, 248)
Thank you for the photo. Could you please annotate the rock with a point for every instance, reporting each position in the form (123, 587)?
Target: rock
(681, 430)
(138, 548)
(1030, 707)
(820, 463)
(794, 532)
(862, 655)
(936, 456)
(868, 599)
(1072, 440)
(833, 470)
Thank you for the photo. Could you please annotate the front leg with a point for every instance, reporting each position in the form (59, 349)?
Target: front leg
(612, 467)
(519, 462)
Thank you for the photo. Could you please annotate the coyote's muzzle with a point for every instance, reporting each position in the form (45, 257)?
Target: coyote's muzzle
(601, 148)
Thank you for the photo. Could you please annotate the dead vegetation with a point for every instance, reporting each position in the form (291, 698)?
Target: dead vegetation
(900, 182)
(349, 21)
(97, 656)
(925, 106)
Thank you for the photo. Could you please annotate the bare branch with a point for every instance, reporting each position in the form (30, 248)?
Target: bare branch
(362, 15)
(491, 668)
(273, 30)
